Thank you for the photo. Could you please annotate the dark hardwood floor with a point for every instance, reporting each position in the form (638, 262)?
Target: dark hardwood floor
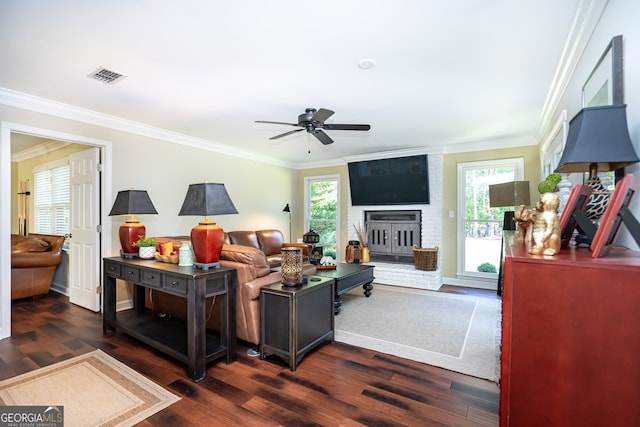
(335, 385)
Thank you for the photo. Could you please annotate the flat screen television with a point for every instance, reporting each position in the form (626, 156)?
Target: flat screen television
(393, 181)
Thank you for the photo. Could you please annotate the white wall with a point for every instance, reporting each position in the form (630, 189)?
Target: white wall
(619, 17)
(165, 170)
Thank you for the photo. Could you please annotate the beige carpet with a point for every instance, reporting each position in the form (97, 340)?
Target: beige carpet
(455, 332)
(94, 389)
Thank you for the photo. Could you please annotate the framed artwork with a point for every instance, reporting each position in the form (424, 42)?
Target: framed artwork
(616, 214)
(605, 84)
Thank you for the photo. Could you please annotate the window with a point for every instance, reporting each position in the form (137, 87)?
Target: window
(321, 201)
(51, 198)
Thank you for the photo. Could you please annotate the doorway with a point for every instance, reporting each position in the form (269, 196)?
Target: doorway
(6, 131)
(479, 227)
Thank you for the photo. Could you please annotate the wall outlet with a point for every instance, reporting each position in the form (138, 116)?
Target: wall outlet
(452, 214)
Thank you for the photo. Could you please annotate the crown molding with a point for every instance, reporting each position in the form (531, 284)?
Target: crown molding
(45, 106)
(584, 24)
(506, 141)
(38, 150)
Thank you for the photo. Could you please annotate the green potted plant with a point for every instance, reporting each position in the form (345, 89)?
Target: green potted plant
(146, 247)
(550, 184)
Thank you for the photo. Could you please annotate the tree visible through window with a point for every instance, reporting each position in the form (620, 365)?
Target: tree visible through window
(323, 212)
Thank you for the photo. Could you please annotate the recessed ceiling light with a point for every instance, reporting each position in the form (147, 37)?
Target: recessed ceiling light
(367, 63)
(106, 76)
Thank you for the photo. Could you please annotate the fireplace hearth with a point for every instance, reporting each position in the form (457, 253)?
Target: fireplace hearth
(392, 235)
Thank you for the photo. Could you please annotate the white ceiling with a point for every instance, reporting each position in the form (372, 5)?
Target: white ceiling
(447, 71)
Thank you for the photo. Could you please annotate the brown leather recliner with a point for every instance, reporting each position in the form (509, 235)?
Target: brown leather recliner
(270, 242)
(34, 259)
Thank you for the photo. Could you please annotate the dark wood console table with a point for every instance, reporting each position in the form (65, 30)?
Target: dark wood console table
(187, 342)
(570, 341)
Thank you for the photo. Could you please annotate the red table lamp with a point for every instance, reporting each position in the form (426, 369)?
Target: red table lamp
(131, 202)
(207, 238)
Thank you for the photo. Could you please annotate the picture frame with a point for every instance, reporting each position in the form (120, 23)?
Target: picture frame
(605, 84)
(616, 214)
(573, 215)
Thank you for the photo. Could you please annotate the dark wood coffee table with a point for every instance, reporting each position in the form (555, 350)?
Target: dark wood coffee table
(348, 276)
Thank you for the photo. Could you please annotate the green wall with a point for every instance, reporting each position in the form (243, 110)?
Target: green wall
(450, 184)
(450, 164)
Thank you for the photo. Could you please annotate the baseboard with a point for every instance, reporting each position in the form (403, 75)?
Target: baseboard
(59, 288)
(124, 305)
(475, 282)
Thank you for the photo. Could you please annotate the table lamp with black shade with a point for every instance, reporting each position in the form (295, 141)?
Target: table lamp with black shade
(207, 238)
(131, 202)
(598, 141)
(509, 194)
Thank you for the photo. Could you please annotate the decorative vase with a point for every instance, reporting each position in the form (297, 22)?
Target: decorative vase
(146, 252)
(364, 254)
(598, 201)
(185, 255)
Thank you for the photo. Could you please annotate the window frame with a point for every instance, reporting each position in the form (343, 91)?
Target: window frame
(54, 206)
(307, 205)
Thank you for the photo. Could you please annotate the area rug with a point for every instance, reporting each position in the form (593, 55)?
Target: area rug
(456, 332)
(94, 389)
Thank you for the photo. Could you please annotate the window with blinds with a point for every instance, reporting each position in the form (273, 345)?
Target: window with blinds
(51, 198)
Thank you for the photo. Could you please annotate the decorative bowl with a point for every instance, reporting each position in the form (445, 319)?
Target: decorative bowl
(171, 259)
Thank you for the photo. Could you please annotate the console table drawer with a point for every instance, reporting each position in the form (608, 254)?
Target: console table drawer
(175, 284)
(113, 270)
(130, 274)
(151, 278)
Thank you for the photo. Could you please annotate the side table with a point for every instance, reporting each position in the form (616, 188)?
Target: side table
(295, 320)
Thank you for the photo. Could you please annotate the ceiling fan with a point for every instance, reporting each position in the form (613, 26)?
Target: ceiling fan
(313, 121)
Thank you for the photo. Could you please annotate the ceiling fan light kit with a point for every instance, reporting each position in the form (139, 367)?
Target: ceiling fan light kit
(313, 121)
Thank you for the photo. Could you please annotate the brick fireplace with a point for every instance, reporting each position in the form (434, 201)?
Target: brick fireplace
(398, 269)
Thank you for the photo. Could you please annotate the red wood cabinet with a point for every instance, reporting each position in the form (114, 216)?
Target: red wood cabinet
(570, 338)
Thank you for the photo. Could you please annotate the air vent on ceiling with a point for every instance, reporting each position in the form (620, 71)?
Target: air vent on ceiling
(106, 76)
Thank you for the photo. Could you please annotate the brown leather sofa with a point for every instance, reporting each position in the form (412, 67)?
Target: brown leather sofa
(34, 259)
(253, 272)
(270, 242)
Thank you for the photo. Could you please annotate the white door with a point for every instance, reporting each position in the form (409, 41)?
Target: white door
(84, 250)
(479, 225)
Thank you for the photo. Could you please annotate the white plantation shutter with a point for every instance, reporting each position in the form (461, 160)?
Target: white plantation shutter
(51, 198)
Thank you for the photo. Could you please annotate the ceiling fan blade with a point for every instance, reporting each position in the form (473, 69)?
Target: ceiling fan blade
(286, 133)
(276, 123)
(321, 115)
(336, 126)
(322, 137)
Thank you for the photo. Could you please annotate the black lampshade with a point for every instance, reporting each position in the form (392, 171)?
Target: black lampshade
(287, 208)
(132, 202)
(598, 137)
(509, 194)
(207, 199)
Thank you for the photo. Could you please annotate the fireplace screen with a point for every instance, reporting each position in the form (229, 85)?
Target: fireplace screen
(392, 234)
